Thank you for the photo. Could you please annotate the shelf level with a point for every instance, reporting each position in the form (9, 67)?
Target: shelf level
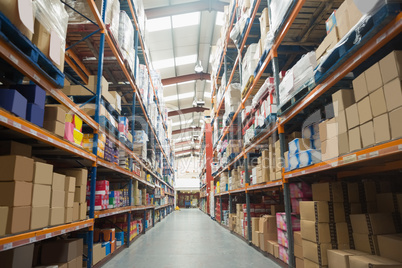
(30, 237)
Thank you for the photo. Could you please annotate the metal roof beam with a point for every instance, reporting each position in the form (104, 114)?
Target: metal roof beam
(172, 10)
(185, 78)
(184, 130)
(187, 111)
(186, 142)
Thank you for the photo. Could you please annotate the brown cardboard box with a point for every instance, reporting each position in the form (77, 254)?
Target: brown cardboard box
(385, 203)
(353, 192)
(18, 257)
(380, 223)
(270, 246)
(61, 251)
(390, 246)
(393, 94)
(58, 199)
(311, 252)
(371, 207)
(43, 173)
(267, 224)
(324, 191)
(352, 116)
(56, 216)
(298, 251)
(390, 66)
(373, 78)
(80, 194)
(55, 127)
(80, 174)
(58, 182)
(395, 122)
(342, 20)
(381, 128)
(16, 168)
(3, 220)
(355, 208)
(11, 8)
(254, 229)
(340, 258)
(342, 122)
(327, 44)
(69, 185)
(354, 13)
(367, 134)
(314, 210)
(355, 140)
(338, 211)
(310, 264)
(98, 253)
(312, 231)
(276, 250)
(364, 108)
(83, 211)
(76, 211)
(377, 102)
(297, 238)
(39, 217)
(332, 128)
(68, 215)
(299, 263)
(343, 143)
(41, 195)
(72, 263)
(342, 233)
(54, 113)
(342, 99)
(18, 219)
(329, 149)
(15, 193)
(370, 191)
(322, 128)
(370, 261)
(69, 200)
(360, 87)
(15, 148)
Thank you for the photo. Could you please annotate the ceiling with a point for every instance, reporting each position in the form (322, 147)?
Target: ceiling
(179, 33)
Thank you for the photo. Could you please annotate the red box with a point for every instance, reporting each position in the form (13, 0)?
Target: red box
(281, 221)
(283, 238)
(283, 254)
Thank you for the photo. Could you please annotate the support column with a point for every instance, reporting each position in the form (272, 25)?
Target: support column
(247, 177)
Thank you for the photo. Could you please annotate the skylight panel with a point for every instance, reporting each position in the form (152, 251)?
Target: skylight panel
(185, 20)
(161, 64)
(186, 59)
(159, 24)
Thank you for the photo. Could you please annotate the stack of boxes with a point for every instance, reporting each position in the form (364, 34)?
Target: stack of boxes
(88, 143)
(101, 194)
(107, 237)
(267, 231)
(57, 203)
(54, 120)
(69, 198)
(73, 129)
(36, 97)
(283, 234)
(111, 152)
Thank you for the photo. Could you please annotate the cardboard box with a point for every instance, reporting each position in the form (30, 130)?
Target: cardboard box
(332, 128)
(355, 141)
(39, 217)
(276, 250)
(314, 211)
(324, 191)
(43, 173)
(340, 258)
(342, 233)
(68, 215)
(80, 174)
(55, 113)
(76, 211)
(56, 216)
(18, 219)
(373, 224)
(3, 220)
(58, 182)
(367, 134)
(316, 252)
(315, 232)
(83, 211)
(69, 185)
(80, 194)
(342, 99)
(15, 193)
(343, 143)
(69, 200)
(41, 195)
(24, 21)
(299, 263)
(297, 238)
(61, 251)
(352, 116)
(18, 257)
(58, 199)
(329, 149)
(366, 243)
(373, 78)
(98, 252)
(390, 66)
(338, 212)
(364, 108)
(16, 168)
(327, 44)
(298, 251)
(360, 87)
(381, 128)
(342, 122)
(390, 246)
(370, 261)
(15, 148)
(377, 102)
(394, 120)
(354, 13)
(342, 20)
(370, 191)
(393, 94)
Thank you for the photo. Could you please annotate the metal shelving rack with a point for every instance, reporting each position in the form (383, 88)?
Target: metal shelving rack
(379, 158)
(26, 129)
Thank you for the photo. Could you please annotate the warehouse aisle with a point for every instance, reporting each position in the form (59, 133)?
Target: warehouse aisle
(189, 238)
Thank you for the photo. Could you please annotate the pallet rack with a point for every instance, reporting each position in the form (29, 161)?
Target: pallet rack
(379, 158)
(99, 34)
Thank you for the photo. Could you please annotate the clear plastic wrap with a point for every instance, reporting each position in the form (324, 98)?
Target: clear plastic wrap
(278, 9)
(232, 98)
(52, 15)
(126, 37)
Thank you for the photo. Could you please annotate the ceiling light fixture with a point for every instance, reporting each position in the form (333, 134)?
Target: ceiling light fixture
(198, 67)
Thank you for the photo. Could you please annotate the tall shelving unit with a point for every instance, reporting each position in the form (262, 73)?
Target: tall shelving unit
(373, 160)
(95, 34)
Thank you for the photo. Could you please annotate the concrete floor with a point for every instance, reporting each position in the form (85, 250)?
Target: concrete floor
(189, 238)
